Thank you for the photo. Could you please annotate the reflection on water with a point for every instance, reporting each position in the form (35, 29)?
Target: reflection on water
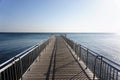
(107, 45)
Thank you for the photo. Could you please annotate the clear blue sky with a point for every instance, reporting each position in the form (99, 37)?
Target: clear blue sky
(59, 15)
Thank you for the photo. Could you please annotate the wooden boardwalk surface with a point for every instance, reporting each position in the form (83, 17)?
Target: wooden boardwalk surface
(55, 64)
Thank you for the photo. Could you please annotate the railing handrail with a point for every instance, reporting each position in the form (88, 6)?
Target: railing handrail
(20, 54)
(97, 54)
(18, 65)
(105, 69)
(111, 62)
(17, 56)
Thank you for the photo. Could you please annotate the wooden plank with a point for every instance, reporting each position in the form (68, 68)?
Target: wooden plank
(63, 65)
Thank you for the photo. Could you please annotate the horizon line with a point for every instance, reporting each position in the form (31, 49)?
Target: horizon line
(59, 32)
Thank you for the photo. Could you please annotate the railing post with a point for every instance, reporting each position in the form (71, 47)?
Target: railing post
(113, 73)
(101, 67)
(39, 52)
(21, 68)
(80, 52)
(94, 67)
(15, 68)
(0, 76)
(74, 48)
(117, 75)
(87, 60)
(10, 73)
(4, 77)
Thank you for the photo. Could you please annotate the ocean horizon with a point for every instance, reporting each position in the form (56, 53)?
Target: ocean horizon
(105, 44)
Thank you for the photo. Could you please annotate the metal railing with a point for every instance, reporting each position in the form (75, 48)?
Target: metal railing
(101, 67)
(14, 68)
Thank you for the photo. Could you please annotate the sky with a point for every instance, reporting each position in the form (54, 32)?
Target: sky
(60, 16)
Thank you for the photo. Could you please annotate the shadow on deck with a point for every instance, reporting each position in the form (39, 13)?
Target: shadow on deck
(56, 62)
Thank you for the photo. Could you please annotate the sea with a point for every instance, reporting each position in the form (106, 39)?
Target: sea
(106, 44)
(12, 44)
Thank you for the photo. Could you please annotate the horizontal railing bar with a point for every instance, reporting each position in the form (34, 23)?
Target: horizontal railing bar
(12, 59)
(111, 62)
(118, 69)
(15, 67)
(17, 56)
(99, 55)
(29, 49)
(17, 59)
(96, 65)
(86, 48)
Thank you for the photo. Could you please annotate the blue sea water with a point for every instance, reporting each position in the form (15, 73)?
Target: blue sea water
(12, 44)
(107, 45)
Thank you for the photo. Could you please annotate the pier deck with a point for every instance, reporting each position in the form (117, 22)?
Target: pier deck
(55, 62)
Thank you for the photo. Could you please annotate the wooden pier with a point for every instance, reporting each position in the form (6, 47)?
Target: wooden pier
(59, 58)
(56, 62)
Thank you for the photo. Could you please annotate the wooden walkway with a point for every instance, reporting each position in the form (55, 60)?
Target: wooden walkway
(55, 63)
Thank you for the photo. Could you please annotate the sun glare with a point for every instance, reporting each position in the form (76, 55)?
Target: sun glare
(117, 2)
